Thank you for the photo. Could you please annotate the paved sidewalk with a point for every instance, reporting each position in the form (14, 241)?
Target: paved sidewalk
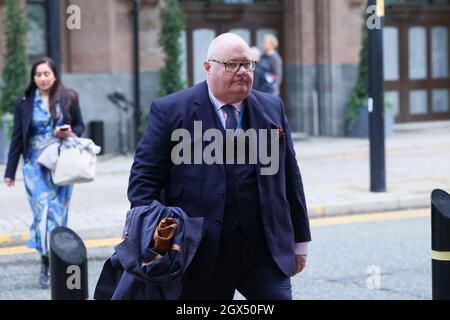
(335, 172)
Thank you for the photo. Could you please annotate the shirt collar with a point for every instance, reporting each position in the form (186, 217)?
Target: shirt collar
(219, 104)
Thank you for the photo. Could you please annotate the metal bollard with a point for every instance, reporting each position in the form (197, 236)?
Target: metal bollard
(97, 134)
(68, 265)
(440, 244)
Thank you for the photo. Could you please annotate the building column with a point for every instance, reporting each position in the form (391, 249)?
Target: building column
(320, 62)
(300, 60)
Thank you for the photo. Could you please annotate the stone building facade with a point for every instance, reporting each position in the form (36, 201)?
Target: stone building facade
(320, 44)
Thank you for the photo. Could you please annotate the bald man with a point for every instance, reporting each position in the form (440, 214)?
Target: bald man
(256, 227)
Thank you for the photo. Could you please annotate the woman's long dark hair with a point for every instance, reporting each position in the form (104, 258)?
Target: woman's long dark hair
(55, 91)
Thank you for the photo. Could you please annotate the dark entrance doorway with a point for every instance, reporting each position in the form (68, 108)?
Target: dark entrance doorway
(205, 20)
(416, 45)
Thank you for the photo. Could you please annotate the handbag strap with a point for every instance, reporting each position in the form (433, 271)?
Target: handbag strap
(77, 144)
(59, 147)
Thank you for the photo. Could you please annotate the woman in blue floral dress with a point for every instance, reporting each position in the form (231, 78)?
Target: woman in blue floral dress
(47, 109)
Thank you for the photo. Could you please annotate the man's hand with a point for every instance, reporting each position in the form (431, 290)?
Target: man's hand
(300, 263)
(9, 182)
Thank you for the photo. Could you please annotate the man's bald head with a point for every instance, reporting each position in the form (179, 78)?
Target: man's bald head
(229, 87)
(226, 44)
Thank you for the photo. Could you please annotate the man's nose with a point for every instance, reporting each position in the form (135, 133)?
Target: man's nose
(241, 69)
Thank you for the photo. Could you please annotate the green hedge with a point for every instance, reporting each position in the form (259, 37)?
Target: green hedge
(173, 24)
(15, 70)
(360, 93)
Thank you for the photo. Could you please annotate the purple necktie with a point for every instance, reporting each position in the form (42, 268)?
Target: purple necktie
(231, 122)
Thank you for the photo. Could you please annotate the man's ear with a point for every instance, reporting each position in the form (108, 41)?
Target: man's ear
(207, 67)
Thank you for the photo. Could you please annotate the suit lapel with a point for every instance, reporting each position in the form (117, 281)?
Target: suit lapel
(203, 111)
(256, 120)
(255, 113)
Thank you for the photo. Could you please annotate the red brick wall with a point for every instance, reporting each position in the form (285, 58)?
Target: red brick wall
(322, 31)
(104, 43)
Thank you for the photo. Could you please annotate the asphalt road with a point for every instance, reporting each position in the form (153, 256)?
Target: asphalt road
(349, 259)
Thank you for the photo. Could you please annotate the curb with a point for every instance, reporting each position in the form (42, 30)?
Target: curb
(10, 240)
(20, 239)
(299, 136)
(366, 207)
(316, 211)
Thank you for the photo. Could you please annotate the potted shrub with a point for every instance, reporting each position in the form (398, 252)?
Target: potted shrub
(357, 114)
(389, 117)
(14, 72)
(173, 22)
(360, 127)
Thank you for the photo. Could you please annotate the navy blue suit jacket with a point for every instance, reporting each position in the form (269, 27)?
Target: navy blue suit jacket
(128, 275)
(200, 189)
(23, 114)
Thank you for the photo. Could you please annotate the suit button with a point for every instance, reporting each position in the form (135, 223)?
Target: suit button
(219, 222)
(222, 194)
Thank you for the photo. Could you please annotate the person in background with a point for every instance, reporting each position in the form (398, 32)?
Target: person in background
(47, 109)
(272, 64)
(259, 82)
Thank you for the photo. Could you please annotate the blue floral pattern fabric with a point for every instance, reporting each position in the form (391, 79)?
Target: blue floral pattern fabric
(49, 202)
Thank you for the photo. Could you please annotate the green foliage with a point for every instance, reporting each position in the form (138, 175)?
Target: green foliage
(173, 23)
(8, 118)
(360, 92)
(15, 70)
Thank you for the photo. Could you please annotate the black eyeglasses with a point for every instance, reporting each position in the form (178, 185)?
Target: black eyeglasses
(234, 66)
